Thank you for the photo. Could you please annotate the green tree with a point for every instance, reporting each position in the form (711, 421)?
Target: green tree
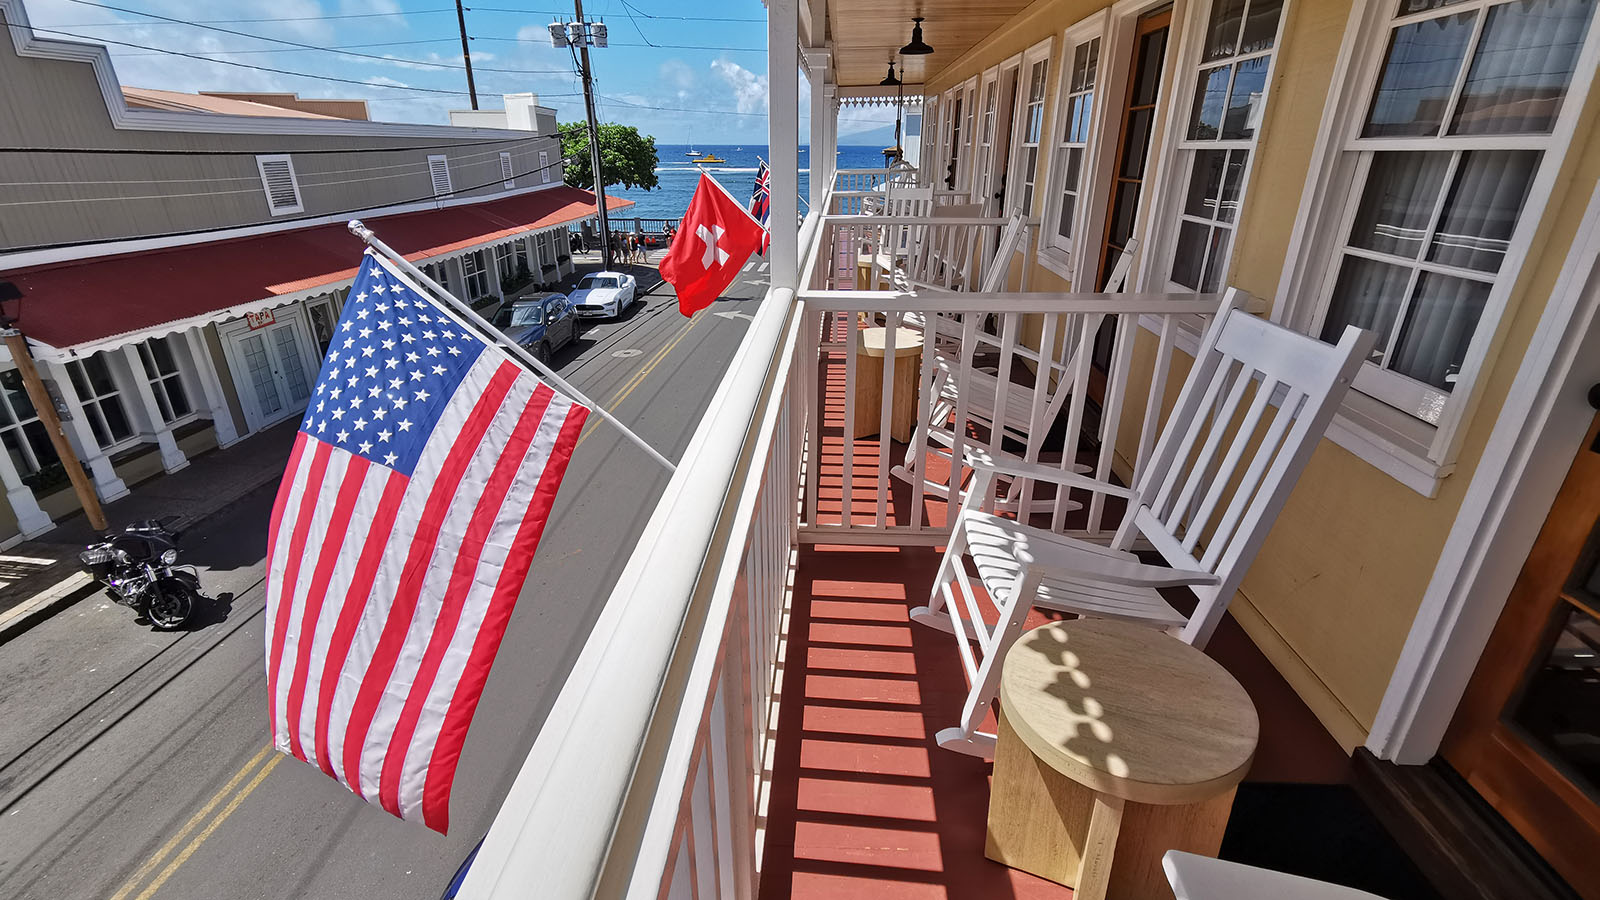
(626, 157)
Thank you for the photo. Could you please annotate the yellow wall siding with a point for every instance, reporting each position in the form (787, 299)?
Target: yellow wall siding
(1333, 594)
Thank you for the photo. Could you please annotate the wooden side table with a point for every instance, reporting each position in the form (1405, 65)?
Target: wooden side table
(869, 382)
(1117, 743)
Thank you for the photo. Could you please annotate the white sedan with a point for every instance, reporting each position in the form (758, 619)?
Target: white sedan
(604, 294)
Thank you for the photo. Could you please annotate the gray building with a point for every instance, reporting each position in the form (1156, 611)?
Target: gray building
(183, 257)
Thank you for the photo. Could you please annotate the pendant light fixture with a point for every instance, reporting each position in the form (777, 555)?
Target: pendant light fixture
(917, 47)
(889, 80)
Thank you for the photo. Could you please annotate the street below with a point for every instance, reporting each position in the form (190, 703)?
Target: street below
(135, 764)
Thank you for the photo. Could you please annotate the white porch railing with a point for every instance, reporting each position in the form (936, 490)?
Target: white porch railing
(645, 778)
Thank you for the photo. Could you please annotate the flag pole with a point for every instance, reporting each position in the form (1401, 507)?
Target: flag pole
(519, 352)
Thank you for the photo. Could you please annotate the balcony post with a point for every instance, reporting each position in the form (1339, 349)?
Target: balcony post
(818, 64)
(783, 75)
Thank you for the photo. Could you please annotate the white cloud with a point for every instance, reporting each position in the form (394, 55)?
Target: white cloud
(359, 7)
(749, 89)
(385, 80)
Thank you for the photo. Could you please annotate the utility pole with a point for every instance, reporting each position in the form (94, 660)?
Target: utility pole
(594, 138)
(466, 53)
(45, 408)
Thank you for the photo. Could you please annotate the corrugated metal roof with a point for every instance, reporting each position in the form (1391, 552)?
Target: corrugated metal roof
(82, 303)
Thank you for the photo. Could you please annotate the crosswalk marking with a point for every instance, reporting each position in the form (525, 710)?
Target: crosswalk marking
(748, 265)
(763, 267)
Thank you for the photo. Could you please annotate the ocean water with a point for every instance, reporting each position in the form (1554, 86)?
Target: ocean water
(678, 176)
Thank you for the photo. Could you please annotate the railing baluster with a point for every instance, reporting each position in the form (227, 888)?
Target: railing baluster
(886, 413)
(1082, 357)
(1037, 427)
(852, 339)
(1127, 326)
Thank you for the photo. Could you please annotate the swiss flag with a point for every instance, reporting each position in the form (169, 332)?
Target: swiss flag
(715, 238)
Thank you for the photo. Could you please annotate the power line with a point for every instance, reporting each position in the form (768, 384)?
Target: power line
(343, 212)
(296, 44)
(547, 12)
(723, 112)
(622, 44)
(293, 50)
(628, 8)
(380, 15)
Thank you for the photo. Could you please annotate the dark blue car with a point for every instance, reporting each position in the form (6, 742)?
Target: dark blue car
(543, 323)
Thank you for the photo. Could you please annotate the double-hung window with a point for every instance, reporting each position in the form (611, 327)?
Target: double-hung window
(1074, 122)
(953, 140)
(475, 274)
(1458, 126)
(1224, 118)
(23, 435)
(166, 379)
(969, 128)
(101, 396)
(505, 261)
(1030, 127)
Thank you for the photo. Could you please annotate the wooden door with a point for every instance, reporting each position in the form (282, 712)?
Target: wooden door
(1138, 120)
(1527, 733)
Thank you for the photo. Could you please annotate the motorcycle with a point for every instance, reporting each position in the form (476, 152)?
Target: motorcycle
(139, 569)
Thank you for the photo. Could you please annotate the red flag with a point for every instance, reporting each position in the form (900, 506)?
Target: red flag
(716, 237)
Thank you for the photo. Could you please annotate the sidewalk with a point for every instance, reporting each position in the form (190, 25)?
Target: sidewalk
(41, 576)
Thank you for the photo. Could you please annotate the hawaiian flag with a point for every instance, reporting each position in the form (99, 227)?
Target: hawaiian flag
(761, 204)
(417, 489)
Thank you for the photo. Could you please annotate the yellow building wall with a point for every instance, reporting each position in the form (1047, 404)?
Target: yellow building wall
(1333, 593)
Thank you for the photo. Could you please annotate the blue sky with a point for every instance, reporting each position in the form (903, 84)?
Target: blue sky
(405, 56)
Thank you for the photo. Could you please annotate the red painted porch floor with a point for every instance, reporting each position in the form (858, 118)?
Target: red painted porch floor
(863, 802)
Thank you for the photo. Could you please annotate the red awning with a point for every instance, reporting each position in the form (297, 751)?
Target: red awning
(71, 304)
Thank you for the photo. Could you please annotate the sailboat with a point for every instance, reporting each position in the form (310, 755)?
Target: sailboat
(692, 153)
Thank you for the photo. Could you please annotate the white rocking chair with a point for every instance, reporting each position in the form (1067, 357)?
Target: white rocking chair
(954, 375)
(1198, 484)
(1195, 877)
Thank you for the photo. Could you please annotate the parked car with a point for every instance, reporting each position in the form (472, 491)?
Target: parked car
(605, 294)
(543, 323)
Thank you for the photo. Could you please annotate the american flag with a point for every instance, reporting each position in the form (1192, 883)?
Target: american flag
(761, 203)
(416, 492)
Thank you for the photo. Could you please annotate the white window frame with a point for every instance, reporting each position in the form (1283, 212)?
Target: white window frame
(159, 387)
(1414, 452)
(1038, 53)
(92, 403)
(482, 267)
(436, 174)
(1056, 253)
(969, 144)
(1178, 152)
(18, 424)
(544, 166)
(506, 171)
(262, 160)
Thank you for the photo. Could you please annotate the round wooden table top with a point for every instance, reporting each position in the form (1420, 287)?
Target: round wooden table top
(1128, 710)
(907, 341)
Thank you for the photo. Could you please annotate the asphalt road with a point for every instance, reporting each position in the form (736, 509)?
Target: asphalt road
(135, 765)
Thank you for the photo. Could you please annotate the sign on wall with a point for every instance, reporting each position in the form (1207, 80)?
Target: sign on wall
(259, 319)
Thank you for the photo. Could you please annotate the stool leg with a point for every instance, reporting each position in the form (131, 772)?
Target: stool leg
(1094, 875)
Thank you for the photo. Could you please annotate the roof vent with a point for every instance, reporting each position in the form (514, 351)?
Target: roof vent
(277, 179)
(506, 172)
(439, 171)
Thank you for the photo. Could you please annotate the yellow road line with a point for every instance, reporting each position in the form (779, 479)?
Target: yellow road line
(200, 838)
(194, 820)
(644, 371)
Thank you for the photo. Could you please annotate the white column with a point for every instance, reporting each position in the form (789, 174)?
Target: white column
(530, 256)
(491, 255)
(107, 484)
(817, 65)
(211, 385)
(830, 152)
(172, 458)
(783, 138)
(31, 520)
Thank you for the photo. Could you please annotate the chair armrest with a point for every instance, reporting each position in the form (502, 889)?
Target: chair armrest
(1074, 561)
(978, 458)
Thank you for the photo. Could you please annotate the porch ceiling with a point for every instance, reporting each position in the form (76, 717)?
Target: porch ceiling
(866, 35)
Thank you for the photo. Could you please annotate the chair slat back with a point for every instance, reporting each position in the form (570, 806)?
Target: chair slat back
(1224, 465)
